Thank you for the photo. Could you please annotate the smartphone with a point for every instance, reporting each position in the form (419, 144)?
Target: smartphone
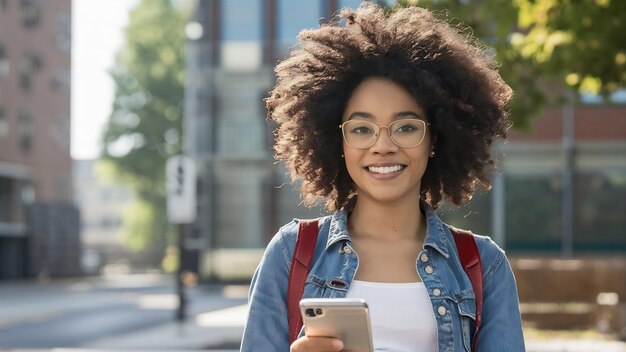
(344, 318)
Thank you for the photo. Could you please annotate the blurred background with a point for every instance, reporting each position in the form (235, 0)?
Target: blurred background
(97, 95)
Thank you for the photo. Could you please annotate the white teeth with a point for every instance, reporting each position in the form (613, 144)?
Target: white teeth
(385, 169)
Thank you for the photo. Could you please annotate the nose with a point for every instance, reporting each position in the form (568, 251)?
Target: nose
(384, 144)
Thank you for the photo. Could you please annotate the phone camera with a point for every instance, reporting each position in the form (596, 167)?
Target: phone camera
(313, 312)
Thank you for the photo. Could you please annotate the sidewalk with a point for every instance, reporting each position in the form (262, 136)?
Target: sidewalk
(210, 325)
(219, 330)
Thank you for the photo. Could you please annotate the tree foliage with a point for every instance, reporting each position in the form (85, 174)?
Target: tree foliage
(144, 128)
(546, 47)
(583, 42)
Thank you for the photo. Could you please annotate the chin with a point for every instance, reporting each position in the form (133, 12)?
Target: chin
(386, 198)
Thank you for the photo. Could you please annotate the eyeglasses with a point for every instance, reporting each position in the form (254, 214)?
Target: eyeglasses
(406, 133)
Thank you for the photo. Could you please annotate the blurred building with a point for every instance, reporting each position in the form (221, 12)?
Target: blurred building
(565, 181)
(102, 205)
(559, 184)
(557, 187)
(243, 198)
(38, 223)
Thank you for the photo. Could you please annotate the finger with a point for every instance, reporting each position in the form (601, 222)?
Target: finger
(316, 344)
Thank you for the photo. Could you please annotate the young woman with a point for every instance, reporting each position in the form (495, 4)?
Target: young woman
(383, 117)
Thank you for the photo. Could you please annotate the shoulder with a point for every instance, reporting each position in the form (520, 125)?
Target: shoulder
(491, 254)
(288, 233)
(284, 241)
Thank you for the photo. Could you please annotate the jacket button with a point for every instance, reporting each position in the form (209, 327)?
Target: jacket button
(429, 269)
(436, 292)
(347, 249)
(442, 310)
(424, 258)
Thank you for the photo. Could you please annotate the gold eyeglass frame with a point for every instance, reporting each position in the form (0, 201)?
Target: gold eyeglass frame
(377, 133)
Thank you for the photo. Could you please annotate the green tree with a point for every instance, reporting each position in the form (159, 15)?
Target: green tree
(581, 42)
(546, 47)
(144, 128)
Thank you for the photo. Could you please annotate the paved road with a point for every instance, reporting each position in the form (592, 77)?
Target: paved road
(75, 313)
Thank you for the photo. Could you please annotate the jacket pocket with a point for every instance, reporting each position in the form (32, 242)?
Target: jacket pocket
(314, 287)
(317, 287)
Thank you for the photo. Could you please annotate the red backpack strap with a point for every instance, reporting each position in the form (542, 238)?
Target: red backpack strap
(302, 256)
(470, 259)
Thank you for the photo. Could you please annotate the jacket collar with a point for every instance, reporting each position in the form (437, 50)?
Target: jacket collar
(338, 228)
(436, 231)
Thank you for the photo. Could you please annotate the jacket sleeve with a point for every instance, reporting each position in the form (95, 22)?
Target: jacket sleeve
(267, 327)
(501, 329)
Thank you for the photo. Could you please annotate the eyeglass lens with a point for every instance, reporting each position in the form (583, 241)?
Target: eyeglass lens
(404, 133)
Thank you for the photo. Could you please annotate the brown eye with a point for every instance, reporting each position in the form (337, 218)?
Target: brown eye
(361, 130)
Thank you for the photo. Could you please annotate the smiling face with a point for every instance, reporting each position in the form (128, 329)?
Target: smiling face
(385, 172)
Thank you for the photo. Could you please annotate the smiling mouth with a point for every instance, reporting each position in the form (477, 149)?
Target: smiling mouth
(385, 169)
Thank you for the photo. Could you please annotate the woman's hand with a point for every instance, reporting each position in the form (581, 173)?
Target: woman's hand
(316, 344)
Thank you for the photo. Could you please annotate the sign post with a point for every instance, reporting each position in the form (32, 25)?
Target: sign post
(181, 189)
(180, 174)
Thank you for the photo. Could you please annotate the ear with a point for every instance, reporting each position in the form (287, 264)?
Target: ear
(433, 141)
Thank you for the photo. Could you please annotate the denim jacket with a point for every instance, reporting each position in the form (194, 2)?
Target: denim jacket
(334, 266)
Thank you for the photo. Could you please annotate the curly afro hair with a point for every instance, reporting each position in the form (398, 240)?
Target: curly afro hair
(444, 69)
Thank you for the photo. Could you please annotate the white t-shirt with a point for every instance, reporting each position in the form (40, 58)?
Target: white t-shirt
(401, 315)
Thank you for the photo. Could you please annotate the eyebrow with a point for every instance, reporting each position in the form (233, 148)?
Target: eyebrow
(401, 114)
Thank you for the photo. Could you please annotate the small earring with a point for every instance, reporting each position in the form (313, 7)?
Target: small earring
(432, 153)
(342, 156)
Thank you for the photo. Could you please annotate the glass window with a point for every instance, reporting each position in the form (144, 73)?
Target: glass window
(11, 210)
(241, 20)
(25, 129)
(533, 206)
(294, 16)
(31, 64)
(4, 123)
(236, 197)
(30, 13)
(4, 62)
(241, 35)
(6, 199)
(599, 209)
(241, 136)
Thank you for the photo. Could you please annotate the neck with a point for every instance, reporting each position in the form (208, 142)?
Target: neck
(389, 221)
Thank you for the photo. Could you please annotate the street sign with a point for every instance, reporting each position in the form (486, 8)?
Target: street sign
(180, 174)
